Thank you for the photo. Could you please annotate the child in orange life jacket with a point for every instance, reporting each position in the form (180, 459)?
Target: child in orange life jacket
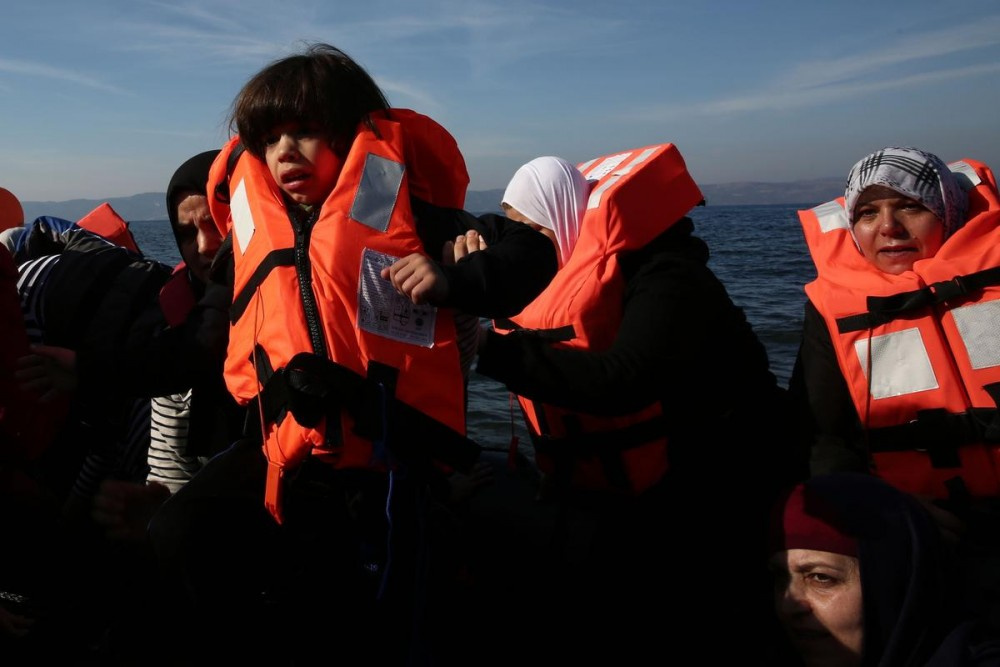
(335, 193)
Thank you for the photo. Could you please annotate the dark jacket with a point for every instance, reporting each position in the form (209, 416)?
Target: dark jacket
(681, 342)
(827, 418)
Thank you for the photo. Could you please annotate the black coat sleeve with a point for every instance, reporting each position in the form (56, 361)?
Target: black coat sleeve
(497, 282)
(677, 326)
(827, 418)
(154, 359)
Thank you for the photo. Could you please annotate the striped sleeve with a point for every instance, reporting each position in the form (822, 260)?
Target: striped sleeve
(30, 288)
(169, 424)
(124, 459)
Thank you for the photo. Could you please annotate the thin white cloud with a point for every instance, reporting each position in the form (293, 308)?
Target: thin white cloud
(905, 49)
(405, 94)
(778, 100)
(59, 74)
(481, 35)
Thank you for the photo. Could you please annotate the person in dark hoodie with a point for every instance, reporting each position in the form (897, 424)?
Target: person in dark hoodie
(189, 426)
(862, 577)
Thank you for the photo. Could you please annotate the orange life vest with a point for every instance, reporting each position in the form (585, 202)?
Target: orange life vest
(306, 296)
(105, 221)
(637, 195)
(177, 297)
(921, 350)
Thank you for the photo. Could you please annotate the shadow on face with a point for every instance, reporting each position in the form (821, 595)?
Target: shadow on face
(817, 597)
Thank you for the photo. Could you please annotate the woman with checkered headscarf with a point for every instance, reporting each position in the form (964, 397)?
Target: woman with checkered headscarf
(902, 204)
(900, 352)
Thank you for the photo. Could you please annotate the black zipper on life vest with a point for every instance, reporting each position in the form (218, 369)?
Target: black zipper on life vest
(303, 269)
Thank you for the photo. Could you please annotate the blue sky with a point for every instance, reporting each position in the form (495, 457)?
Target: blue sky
(104, 99)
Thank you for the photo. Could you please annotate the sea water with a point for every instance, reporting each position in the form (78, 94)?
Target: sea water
(757, 251)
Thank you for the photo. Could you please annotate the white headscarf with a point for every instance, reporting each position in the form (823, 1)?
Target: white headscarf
(552, 193)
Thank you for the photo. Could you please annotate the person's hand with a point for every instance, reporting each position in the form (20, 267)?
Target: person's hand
(125, 508)
(950, 526)
(463, 245)
(418, 278)
(48, 372)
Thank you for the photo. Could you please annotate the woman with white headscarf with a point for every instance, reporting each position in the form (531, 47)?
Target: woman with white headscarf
(897, 370)
(658, 361)
(549, 194)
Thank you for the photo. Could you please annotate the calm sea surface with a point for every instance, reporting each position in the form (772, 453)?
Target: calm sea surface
(757, 251)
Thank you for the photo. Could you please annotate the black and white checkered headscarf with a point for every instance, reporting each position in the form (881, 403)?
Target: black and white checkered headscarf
(913, 173)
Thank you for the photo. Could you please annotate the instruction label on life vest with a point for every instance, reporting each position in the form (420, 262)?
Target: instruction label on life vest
(384, 311)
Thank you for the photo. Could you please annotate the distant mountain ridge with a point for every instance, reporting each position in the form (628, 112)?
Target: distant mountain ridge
(152, 205)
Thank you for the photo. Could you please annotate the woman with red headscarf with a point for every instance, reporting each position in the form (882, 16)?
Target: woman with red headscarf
(862, 578)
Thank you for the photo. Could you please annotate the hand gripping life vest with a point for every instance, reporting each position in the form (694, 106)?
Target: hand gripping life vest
(921, 350)
(636, 196)
(337, 364)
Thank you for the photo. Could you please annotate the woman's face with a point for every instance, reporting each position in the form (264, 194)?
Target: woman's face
(513, 214)
(817, 597)
(895, 231)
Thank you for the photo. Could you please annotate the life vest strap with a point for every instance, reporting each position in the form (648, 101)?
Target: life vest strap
(555, 335)
(274, 259)
(938, 433)
(313, 387)
(884, 309)
(222, 189)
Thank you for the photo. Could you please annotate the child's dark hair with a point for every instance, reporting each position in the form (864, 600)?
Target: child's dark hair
(322, 87)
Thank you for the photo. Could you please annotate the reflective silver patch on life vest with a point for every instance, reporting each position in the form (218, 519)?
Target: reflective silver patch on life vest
(377, 192)
(594, 200)
(606, 166)
(966, 175)
(831, 216)
(639, 159)
(239, 211)
(587, 165)
(978, 324)
(900, 364)
(598, 193)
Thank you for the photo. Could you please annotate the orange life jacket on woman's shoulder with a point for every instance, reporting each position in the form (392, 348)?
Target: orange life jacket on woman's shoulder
(920, 350)
(637, 195)
(340, 366)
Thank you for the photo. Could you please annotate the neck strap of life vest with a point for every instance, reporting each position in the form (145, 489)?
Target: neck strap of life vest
(884, 309)
(555, 335)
